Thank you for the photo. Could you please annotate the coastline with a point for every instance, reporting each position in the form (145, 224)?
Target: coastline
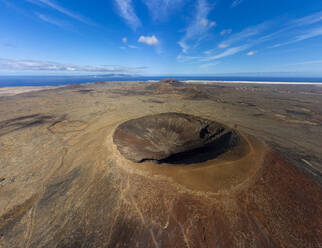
(15, 90)
(251, 82)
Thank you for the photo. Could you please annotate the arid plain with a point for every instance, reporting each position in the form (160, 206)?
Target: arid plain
(65, 182)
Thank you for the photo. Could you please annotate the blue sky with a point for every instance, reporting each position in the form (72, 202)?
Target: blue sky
(160, 37)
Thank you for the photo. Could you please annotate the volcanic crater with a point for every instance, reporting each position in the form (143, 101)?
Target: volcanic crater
(71, 177)
(175, 138)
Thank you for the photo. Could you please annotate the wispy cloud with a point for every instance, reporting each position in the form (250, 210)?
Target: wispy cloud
(209, 64)
(126, 11)
(311, 62)
(188, 59)
(149, 40)
(223, 45)
(211, 56)
(226, 31)
(250, 36)
(250, 53)
(241, 41)
(160, 9)
(227, 52)
(295, 29)
(132, 46)
(124, 40)
(50, 20)
(33, 65)
(301, 37)
(235, 3)
(199, 26)
(255, 35)
(307, 20)
(9, 4)
(52, 4)
(248, 33)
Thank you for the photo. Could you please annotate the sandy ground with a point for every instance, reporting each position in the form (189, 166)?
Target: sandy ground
(63, 183)
(11, 91)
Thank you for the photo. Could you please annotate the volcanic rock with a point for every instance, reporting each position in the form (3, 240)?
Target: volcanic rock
(64, 183)
(173, 138)
(172, 82)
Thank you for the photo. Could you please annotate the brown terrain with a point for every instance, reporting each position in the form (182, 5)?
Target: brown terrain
(169, 164)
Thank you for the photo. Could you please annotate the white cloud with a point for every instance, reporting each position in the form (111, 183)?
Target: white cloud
(222, 45)
(198, 27)
(292, 29)
(252, 36)
(212, 24)
(243, 36)
(185, 58)
(307, 20)
(208, 52)
(160, 9)
(33, 65)
(52, 4)
(228, 52)
(246, 36)
(149, 40)
(206, 23)
(226, 31)
(236, 3)
(50, 20)
(308, 34)
(126, 11)
(248, 33)
(183, 46)
(250, 53)
(124, 40)
(133, 47)
(235, 43)
(295, 29)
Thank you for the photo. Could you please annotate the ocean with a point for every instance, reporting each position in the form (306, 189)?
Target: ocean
(11, 81)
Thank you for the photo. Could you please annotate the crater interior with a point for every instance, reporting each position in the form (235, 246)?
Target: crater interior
(174, 138)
